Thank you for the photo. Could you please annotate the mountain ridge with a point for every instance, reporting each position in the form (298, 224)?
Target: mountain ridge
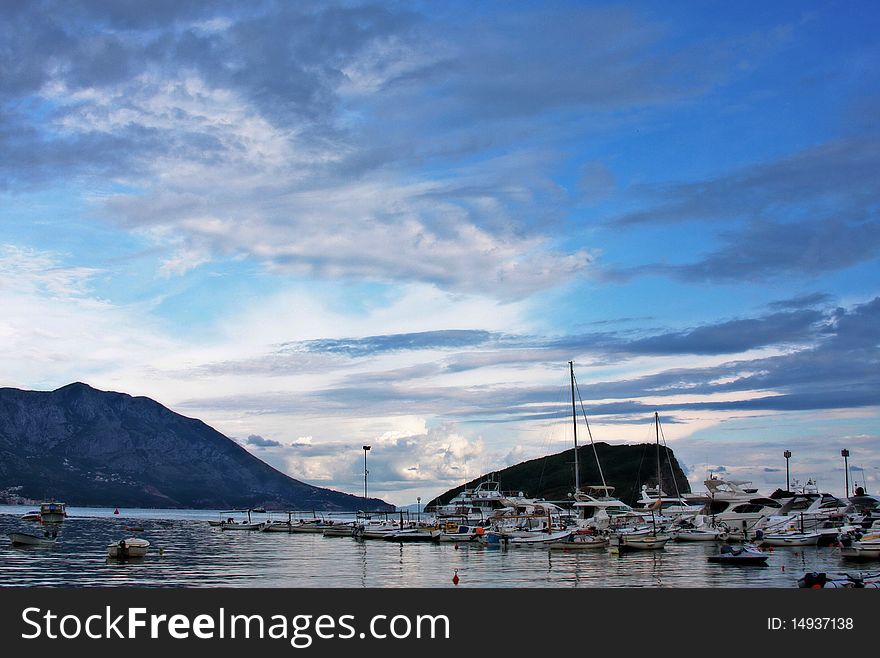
(93, 447)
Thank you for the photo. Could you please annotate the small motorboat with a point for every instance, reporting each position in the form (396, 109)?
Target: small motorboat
(413, 535)
(338, 530)
(53, 512)
(231, 524)
(860, 546)
(639, 540)
(25, 539)
(459, 534)
(239, 525)
(276, 526)
(688, 531)
(747, 554)
(375, 530)
(31, 516)
(309, 526)
(538, 539)
(790, 537)
(814, 580)
(581, 541)
(128, 548)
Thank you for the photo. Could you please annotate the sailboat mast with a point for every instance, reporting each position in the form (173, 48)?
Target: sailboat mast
(577, 474)
(657, 429)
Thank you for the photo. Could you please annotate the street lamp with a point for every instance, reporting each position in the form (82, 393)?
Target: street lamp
(787, 455)
(419, 507)
(366, 472)
(845, 454)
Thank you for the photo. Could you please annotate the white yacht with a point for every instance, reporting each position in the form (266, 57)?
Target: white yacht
(480, 503)
(810, 512)
(597, 508)
(863, 509)
(671, 507)
(734, 507)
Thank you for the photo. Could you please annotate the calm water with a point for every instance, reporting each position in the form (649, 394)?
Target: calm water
(196, 555)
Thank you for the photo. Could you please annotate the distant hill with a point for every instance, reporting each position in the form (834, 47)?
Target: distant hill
(626, 468)
(89, 447)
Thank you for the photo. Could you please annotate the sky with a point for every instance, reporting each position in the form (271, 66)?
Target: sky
(317, 226)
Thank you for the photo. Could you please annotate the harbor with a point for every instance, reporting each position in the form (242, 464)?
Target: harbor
(185, 551)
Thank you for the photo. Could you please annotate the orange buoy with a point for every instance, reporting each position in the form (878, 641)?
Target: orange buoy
(455, 578)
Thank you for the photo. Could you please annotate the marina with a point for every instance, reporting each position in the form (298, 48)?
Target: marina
(185, 551)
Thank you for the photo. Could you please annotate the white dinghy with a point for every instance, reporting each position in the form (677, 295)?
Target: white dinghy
(128, 548)
(25, 539)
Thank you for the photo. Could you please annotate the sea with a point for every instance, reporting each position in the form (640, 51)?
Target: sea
(190, 553)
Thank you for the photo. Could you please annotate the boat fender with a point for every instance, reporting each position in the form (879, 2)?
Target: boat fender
(480, 530)
(723, 536)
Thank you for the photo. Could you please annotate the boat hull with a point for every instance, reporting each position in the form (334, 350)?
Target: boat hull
(741, 561)
(310, 528)
(700, 535)
(639, 542)
(24, 539)
(541, 540)
(277, 527)
(340, 531)
(796, 539)
(128, 548)
(581, 543)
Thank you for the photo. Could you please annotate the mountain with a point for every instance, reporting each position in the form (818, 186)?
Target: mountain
(626, 468)
(91, 447)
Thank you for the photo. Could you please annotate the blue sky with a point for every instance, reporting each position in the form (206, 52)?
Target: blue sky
(319, 225)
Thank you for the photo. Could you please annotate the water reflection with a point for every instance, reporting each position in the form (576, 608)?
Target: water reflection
(189, 553)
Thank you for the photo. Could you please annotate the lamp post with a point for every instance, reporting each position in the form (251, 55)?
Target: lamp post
(787, 455)
(419, 507)
(845, 454)
(366, 472)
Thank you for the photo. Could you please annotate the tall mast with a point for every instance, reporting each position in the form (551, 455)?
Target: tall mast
(657, 427)
(577, 475)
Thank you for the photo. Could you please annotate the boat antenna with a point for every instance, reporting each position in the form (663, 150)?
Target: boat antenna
(577, 476)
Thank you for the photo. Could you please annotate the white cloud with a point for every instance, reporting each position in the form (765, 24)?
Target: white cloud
(54, 330)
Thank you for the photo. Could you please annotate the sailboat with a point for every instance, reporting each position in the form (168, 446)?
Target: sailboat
(586, 537)
(650, 539)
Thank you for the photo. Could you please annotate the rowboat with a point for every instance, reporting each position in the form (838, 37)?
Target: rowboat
(25, 539)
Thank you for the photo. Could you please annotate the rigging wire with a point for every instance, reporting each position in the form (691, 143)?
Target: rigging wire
(590, 433)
